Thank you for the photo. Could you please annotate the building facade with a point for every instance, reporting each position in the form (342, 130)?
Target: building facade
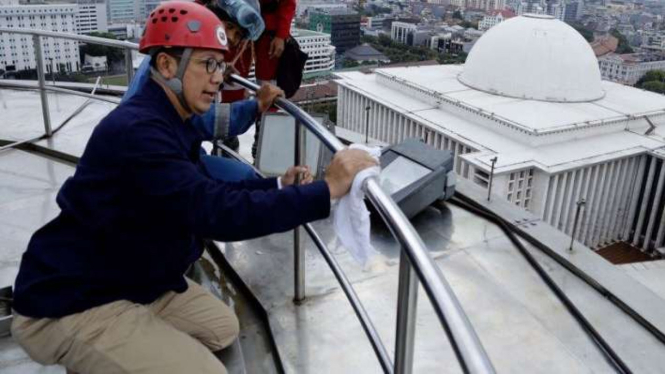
(629, 68)
(120, 11)
(342, 25)
(559, 134)
(493, 19)
(400, 31)
(17, 51)
(91, 16)
(318, 47)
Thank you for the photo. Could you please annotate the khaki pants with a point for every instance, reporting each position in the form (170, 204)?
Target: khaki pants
(174, 334)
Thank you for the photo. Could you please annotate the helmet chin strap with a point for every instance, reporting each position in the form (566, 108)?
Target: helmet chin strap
(175, 84)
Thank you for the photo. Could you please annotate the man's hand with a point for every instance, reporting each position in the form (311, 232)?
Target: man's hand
(276, 48)
(293, 172)
(266, 96)
(344, 167)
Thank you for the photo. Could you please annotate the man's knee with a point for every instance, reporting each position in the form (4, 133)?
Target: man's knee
(223, 333)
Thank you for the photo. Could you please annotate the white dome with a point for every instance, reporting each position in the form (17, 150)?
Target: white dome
(534, 57)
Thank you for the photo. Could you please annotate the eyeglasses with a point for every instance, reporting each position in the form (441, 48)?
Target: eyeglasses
(212, 65)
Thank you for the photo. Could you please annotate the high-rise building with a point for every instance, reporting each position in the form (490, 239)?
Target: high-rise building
(557, 10)
(120, 11)
(547, 131)
(146, 7)
(494, 18)
(573, 11)
(17, 51)
(91, 16)
(400, 31)
(342, 25)
(318, 47)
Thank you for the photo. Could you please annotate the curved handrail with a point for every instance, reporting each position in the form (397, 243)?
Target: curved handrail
(465, 342)
(363, 316)
(468, 349)
(81, 38)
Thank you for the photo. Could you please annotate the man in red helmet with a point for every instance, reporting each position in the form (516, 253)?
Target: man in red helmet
(101, 287)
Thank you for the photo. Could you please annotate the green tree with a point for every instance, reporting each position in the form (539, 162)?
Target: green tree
(457, 15)
(653, 80)
(652, 75)
(624, 46)
(654, 86)
(350, 64)
(112, 54)
(398, 52)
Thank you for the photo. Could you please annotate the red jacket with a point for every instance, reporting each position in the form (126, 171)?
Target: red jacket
(278, 17)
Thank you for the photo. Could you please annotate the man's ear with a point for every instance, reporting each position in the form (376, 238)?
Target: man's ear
(166, 65)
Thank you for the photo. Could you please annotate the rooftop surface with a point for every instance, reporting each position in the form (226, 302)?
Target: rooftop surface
(305, 33)
(522, 325)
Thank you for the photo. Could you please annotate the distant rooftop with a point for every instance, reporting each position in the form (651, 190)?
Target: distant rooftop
(332, 11)
(305, 33)
(365, 52)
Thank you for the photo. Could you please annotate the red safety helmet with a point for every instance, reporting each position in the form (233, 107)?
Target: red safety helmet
(185, 25)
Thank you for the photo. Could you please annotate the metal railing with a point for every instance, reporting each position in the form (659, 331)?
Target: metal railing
(415, 261)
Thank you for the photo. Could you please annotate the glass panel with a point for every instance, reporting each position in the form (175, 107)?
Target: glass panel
(276, 152)
(401, 173)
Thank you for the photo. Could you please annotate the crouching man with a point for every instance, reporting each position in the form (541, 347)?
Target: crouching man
(101, 287)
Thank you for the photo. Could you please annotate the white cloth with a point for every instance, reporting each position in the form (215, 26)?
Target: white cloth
(352, 224)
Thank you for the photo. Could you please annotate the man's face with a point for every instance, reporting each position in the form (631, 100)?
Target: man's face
(199, 85)
(234, 33)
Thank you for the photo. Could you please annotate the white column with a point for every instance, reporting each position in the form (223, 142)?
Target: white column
(554, 190)
(635, 198)
(561, 198)
(569, 206)
(391, 128)
(645, 201)
(595, 204)
(580, 177)
(654, 208)
(589, 203)
(660, 236)
(621, 198)
(604, 201)
(458, 160)
(612, 203)
(545, 194)
(340, 104)
(352, 112)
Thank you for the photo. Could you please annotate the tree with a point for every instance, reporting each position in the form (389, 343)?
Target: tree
(654, 86)
(350, 64)
(653, 80)
(651, 75)
(112, 54)
(457, 15)
(624, 46)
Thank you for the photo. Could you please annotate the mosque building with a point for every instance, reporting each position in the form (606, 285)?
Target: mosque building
(530, 97)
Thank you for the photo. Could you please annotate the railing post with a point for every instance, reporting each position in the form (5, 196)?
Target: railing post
(489, 189)
(298, 250)
(129, 65)
(407, 303)
(580, 204)
(37, 40)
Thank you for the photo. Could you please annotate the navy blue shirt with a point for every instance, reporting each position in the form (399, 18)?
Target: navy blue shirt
(133, 215)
